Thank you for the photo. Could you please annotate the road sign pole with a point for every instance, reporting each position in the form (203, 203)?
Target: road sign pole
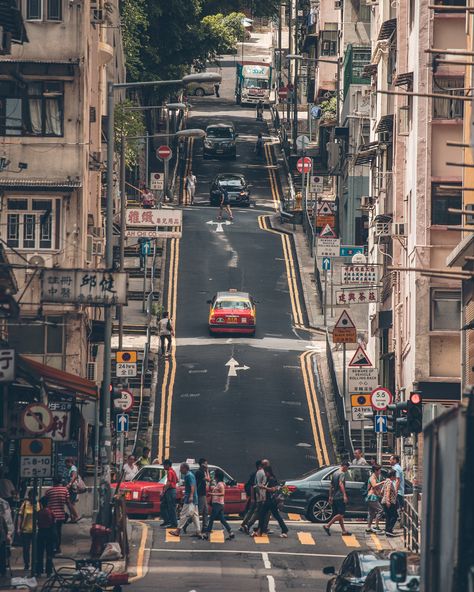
(325, 297)
(167, 162)
(121, 450)
(144, 282)
(332, 292)
(362, 436)
(379, 448)
(344, 372)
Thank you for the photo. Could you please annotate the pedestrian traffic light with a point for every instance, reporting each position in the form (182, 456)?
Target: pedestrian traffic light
(415, 412)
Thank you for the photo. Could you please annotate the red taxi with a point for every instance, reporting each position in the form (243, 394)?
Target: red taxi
(143, 493)
(232, 312)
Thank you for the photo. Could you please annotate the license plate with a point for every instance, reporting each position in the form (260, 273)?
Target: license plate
(232, 319)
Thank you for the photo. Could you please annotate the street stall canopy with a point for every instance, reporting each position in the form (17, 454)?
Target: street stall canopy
(56, 379)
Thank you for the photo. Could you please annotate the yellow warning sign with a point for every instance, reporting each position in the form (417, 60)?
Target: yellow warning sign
(126, 356)
(344, 330)
(361, 400)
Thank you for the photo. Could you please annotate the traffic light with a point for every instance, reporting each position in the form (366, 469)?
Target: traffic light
(415, 413)
(399, 419)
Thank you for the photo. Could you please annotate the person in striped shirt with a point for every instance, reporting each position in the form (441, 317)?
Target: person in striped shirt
(58, 497)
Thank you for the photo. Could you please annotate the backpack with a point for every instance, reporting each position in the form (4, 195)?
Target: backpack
(249, 485)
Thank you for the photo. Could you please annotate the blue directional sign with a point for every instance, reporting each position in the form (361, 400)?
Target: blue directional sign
(350, 250)
(145, 247)
(122, 422)
(326, 264)
(380, 424)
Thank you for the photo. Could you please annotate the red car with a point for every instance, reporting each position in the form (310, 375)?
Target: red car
(143, 494)
(232, 312)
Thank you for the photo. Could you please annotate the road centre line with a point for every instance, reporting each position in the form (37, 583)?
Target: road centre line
(266, 561)
(244, 552)
(271, 584)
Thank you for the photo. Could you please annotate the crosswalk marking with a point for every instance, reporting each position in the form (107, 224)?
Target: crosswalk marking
(350, 541)
(294, 517)
(170, 538)
(217, 536)
(261, 540)
(306, 538)
(376, 541)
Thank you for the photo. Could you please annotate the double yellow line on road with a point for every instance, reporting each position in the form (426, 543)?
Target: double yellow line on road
(169, 372)
(306, 361)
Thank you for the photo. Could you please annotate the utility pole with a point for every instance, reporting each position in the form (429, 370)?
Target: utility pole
(289, 96)
(123, 206)
(166, 163)
(296, 82)
(280, 59)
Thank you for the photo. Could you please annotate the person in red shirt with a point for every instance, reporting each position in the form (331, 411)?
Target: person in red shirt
(45, 538)
(58, 497)
(168, 497)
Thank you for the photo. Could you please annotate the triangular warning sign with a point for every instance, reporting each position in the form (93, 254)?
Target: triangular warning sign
(327, 232)
(344, 322)
(360, 359)
(324, 209)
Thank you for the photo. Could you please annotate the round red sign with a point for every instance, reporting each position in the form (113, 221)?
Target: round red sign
(304, 165)
(164, 152)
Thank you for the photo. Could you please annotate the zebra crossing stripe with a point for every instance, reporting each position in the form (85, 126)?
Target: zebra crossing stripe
(306, 538)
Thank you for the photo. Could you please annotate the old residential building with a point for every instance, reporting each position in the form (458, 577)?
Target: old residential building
(52, 108)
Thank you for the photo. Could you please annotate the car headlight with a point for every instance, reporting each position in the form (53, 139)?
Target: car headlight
(207, 144)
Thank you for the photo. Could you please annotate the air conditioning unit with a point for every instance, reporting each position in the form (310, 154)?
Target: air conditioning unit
(366, 202)
(91, 371)
(382, 229)
(399, 229)
(338, 4)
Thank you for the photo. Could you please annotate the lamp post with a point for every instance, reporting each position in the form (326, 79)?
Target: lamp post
(107, 374)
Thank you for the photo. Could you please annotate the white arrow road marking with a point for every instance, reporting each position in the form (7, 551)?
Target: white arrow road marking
(219, 224)
(234, 366)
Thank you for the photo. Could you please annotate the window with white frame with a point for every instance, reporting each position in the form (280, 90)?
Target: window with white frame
(33, 223)
(445, 310)
(48, 10)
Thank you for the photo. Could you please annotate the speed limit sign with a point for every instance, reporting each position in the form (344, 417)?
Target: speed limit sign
(381, 398)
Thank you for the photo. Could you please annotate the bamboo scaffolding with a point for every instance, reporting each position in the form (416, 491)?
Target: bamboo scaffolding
(463, 165)
(459, 52)
(441, 276)
(450, 8)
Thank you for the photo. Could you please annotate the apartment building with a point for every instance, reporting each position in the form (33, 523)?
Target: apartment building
(52, 109)
(414, 182)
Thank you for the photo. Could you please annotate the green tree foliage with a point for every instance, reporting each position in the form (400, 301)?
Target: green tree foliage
(129, 124)
(134, 21)
(221, 33)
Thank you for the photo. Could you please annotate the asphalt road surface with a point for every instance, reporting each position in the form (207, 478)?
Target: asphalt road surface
(271, 408)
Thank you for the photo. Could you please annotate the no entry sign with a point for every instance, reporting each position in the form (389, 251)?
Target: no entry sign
(164, 152)
(304, 165)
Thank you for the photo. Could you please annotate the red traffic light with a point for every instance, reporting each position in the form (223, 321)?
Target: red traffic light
(415, 398)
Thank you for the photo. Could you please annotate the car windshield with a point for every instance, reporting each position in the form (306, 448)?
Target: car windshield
(226, 303)
(219, 132)
(150, 474)
(368, 562)
(256, 83)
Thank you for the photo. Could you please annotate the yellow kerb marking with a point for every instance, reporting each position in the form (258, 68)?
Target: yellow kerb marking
(376, 541)
(294, 517)
(217, 536)
(306, 538)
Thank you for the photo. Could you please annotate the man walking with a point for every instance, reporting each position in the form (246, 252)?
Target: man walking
(399, 481)
(168, 498)
(130, 469)
(58, 497)
(165, 329)
(190, 185)
(225, 205)
(203, 479)
(190, 503)
(359, 459)
(251, 502)
(338, 498)
(260, 497)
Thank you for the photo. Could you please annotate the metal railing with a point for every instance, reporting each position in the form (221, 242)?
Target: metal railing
(344, 442)
(411, 525)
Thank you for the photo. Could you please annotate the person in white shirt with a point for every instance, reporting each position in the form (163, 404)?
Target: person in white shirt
(359, 458)
(130, 469)
(165, 329)
(191, 187)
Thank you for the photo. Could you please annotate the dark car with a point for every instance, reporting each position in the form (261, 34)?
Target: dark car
(236, 187)
(311, 496)
(220, 140)
(354, 570)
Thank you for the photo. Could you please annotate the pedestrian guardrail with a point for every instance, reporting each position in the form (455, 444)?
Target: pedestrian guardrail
(411, 525)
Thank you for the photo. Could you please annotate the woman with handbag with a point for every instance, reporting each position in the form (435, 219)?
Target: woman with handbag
(271, 505)
(75, 486)
(25, 527)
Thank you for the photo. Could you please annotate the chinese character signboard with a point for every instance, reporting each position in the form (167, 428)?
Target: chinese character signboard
(87, 286)
(363, 296)
(328, 247)
(61, 427)
(359, 274)
(148, 223)
(7, 365)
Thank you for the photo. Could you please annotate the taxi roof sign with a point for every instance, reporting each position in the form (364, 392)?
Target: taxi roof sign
(126, 356)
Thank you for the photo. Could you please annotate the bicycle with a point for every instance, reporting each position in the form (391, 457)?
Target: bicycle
(87, 575)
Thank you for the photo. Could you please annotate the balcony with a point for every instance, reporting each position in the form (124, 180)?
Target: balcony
(356, 59)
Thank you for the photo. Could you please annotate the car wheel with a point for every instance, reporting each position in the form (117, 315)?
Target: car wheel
(320, 510)
(199, 92)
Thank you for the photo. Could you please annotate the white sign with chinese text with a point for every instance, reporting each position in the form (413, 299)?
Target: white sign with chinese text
(328, 247)
(359, 274)
(126, 369)
(143, 217)
(60, 429)
(7, 365)
(344, 297)
(87, 286)
(157, 181)
(362, 380)
(151, 233)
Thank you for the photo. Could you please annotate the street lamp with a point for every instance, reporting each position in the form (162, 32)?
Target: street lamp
(107, 375)
(297, 57)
